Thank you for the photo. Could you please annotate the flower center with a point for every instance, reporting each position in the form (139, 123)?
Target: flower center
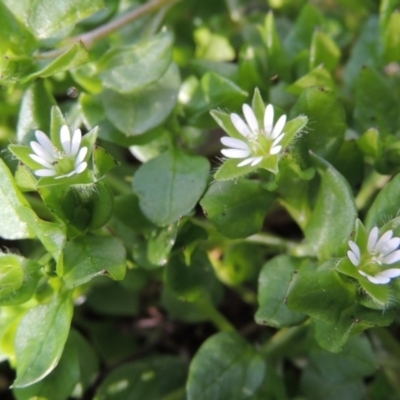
(64, 164)
(260, 145)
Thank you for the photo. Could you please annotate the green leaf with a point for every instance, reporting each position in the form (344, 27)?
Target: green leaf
(188, 281)
(366, 52)
(75, 56)
(170, 185)
(129, 69)
(134, 114)
(278, 61)
(34, 113)
(90, 256)
(391, 39)
(300, 36)
(334, 214)
(237, 209)
(273, 284)
(213, 91)
(225, 367)
(332, 376)
(332, 335)
(40, 340)
(14, 35)
(151, 379)
(322, 294)
(376, 104)
(18, 279)
(385, 206)
(46, 18)
(323, 51)
(317, 77)
(320, 105)
(61, 380)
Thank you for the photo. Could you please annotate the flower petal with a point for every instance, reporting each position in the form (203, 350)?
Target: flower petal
(45, 172)
(41, 152)
(81, 155)
(378, 280)
(45, 142)
(247, 161)
(390, 246)
(65, 138)
(275, 150)
(235, 153)
(278, 127)
(76, 142)
(392, 257)
(382, 242)
(389, 273)
(353, 258)
(234, 143)
(269, 119)
(278, 139)
(355, 249)
(81, 167)
(41, 161)
(240, 125)
(250, 118)
(372, 238)
(256, 161)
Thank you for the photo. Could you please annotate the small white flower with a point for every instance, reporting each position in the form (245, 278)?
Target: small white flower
(381, 251)
(258, 142)
(59, 163)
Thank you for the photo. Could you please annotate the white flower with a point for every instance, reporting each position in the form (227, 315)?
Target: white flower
(258, 142)
(59, 163)
(381, 251)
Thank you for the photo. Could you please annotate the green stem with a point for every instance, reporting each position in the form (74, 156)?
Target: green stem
(282, 338)
(208, 308)
(373, 183)
(117, 185)
(89, 39)
(177, 394)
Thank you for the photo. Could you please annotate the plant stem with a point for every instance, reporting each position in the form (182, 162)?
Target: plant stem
(211, 312)
(88, 39)
(373, 183)
(282, 338)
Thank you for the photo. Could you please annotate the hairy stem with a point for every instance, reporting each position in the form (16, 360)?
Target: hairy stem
(90, 38)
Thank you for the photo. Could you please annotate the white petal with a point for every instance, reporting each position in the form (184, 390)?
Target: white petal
(45, 172)
(247, 161)
(278, 127)
(392, 257)
(389, 273)
(76, 141)
(250, 118)
(278, 139)
(65, 138)
(234, 143)
(380, 245)
(41, 152)
(81, 155)
(362, 273)
(81, 167)
(256, 161)
(378, 280)
(235, 153)
(356, 250)
(240, 125)
(45, 142)
(275, 150)
(372, 238)
(41, 161)
(354, 260)
(390, 246)
(269, 119)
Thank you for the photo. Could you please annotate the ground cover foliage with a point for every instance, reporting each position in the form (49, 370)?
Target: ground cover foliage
(199, 199)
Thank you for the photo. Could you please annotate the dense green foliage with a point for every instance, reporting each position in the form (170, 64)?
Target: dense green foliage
(227, 226)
